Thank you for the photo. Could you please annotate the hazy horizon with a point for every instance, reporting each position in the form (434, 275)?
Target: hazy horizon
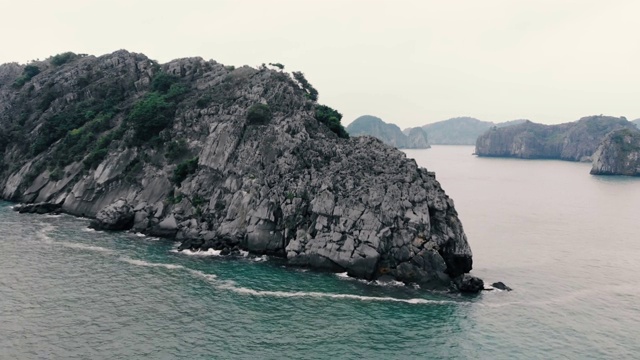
(411, 64)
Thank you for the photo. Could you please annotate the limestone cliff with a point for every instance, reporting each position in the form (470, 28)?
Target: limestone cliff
(222, 158)
(389, 133)
(618, 154)
(575, 141)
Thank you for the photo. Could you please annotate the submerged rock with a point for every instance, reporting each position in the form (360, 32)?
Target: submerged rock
(500, 286)
(38, 208)
(229, 158)
(468, 284)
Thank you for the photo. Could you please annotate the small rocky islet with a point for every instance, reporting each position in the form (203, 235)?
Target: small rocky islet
(618, 154)
(388, 133)
(220, 158)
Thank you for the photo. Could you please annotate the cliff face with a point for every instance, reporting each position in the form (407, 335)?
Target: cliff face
(618, 154)
(575, 141)
(222, 158)
(390, 134)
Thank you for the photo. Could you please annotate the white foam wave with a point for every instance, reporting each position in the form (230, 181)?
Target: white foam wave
(209, 252)
(261, 258)
(230, 285)
(388, 283)
(79, 246)
(304, 294)
(88, 229)
(210, 277)
(52, 216)
(150, 264)
(43, 235)
(244, 253)
(345, 276)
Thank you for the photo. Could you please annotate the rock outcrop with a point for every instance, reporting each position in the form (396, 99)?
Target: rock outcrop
(223, 158)
(575, 141)
(459, 131)
(389, 133)
(618, 154)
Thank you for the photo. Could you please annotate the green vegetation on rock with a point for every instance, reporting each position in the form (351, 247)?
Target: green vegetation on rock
(63, 58)
(310, 91)
(185, 169)
(259, 114)
(331, 118)
(28, 73)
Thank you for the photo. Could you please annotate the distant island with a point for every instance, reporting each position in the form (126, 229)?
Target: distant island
(459, 130)
(618, 154)
(636, 122)
(389, 133)
(573, 141)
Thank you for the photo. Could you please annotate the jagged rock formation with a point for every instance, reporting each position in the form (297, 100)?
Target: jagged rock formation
(389, 133)
(618, 154)
(574, 141)
(222, 158)
(460, 130)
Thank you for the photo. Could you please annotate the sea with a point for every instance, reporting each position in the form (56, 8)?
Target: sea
(567, 243)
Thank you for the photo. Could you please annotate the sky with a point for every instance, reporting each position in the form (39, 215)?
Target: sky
(407, 62)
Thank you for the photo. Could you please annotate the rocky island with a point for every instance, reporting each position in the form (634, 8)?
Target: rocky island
(222, 158)
(459, 131)
(389, 133)
(618, 154)
(574, 141)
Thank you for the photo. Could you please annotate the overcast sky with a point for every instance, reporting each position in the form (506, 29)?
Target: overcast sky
(408, 62)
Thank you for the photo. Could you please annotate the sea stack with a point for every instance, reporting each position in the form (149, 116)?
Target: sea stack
(618, 154)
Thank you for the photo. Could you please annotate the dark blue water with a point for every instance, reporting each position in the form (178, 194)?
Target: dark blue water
(564, 240)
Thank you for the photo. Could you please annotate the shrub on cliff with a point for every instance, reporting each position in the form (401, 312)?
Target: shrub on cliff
(162, 82)
(259, 114)
(149, 116)
(331, 118)
(311, 92)
(63, 58)
(27, 74)
(185, 169)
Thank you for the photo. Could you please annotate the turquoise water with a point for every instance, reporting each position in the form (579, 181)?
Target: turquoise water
(564, 240)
